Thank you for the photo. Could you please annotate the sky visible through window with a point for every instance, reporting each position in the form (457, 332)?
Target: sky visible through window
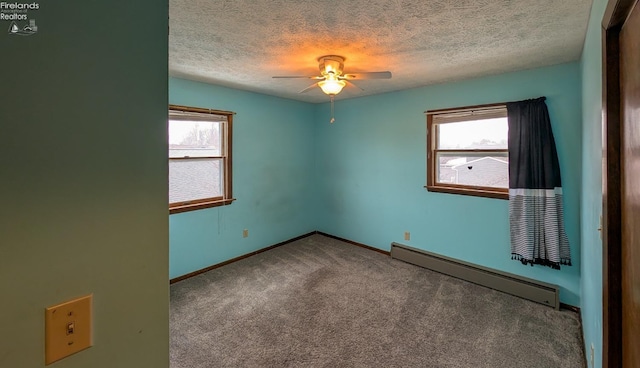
(194, 138)
(179, 131)
(471, 134)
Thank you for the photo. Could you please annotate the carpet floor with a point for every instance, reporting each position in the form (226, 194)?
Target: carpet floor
(320, 302)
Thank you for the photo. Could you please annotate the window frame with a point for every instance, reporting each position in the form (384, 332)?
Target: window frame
(225, 156)
(432, 138)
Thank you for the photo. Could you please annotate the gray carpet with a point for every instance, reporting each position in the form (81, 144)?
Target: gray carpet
(319, 302)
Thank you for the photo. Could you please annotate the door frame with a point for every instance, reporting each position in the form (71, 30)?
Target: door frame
(615, 15)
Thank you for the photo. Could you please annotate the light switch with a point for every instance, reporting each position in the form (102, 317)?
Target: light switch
(71, 326)
(68, 328)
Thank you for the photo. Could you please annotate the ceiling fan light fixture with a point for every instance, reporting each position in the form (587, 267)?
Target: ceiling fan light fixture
(332, 86)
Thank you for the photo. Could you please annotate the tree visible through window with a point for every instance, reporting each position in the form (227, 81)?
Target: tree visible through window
(467, 151)
(199, 158)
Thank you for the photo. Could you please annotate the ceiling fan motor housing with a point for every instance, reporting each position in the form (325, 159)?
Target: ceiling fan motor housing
(331, 64)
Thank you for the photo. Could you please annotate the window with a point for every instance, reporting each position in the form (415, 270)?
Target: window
(467, 151)
(199, 158)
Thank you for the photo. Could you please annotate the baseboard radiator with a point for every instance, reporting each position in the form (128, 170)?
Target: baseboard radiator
(540, 292)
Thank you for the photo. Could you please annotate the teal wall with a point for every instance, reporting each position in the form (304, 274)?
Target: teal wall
(371, 172)
(362, 178)
(273, 172)
(83, 177)
(591, 282)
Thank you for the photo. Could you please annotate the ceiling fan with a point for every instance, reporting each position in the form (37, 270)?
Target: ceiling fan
(333, 79)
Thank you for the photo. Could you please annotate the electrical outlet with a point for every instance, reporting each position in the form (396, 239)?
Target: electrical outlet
(245, 233)
(407, 235)
(592, 358)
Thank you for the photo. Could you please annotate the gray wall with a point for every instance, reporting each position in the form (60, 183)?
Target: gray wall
(83, 180)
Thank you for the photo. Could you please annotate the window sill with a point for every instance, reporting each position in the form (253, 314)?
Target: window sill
(476, 192)
(200, 206)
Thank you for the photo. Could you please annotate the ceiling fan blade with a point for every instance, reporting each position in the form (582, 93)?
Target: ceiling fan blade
(367, 75)
(353, 85)
(300, 76)
(309, 88)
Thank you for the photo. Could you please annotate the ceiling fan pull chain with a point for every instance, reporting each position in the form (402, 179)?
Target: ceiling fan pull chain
(332, 118)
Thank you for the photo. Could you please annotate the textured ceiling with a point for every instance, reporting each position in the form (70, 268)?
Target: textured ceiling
(243, 43)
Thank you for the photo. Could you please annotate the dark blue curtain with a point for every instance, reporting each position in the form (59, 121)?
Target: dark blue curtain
(535, 187)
